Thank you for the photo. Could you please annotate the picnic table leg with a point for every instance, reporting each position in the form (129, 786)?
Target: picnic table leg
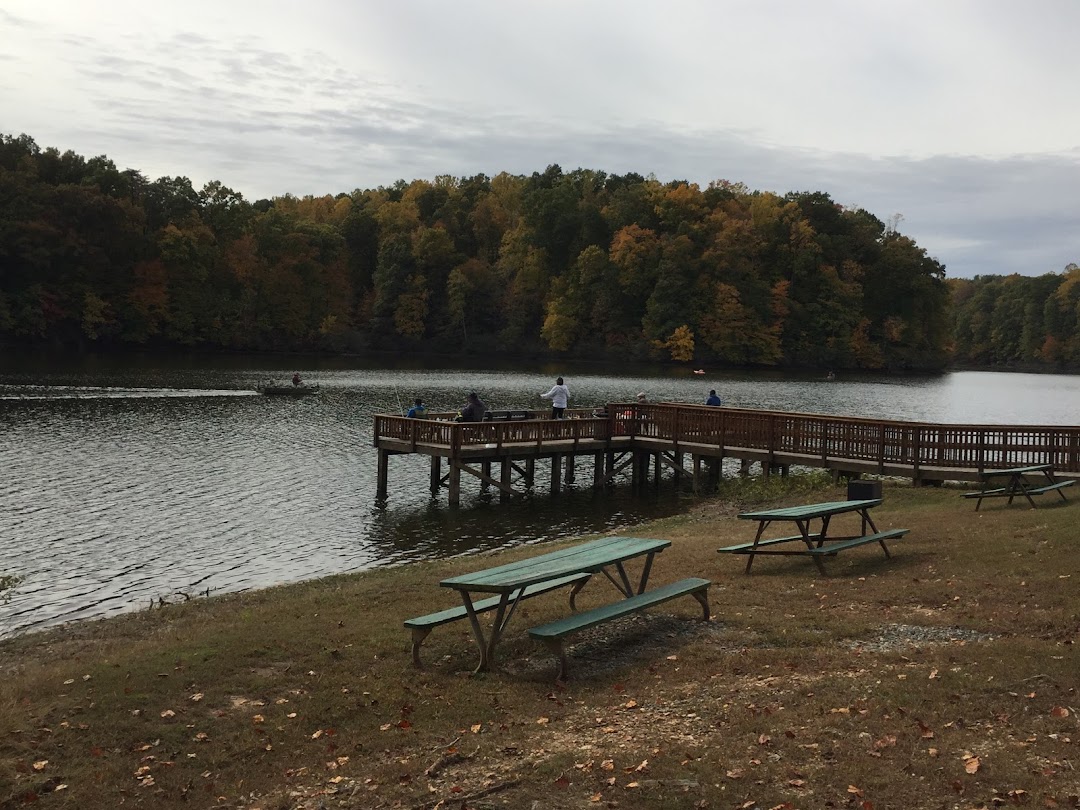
(1050, 479)
(574, 591)
(648, 568)
(487, 646)
(757, 537)
(628, 590)
(804, 528)
(869, 521)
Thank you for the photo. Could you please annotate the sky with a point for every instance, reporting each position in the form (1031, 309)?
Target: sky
(958, 120)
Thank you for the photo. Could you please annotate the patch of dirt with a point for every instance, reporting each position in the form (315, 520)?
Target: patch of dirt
(905, 636)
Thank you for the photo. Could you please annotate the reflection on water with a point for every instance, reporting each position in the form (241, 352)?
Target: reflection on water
(125, 482)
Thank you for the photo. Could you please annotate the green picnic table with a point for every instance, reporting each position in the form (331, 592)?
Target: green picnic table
(573, 566)
(814, 544)
(1013, 482)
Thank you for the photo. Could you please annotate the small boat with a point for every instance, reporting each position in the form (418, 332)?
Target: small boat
(288, 390)
(699, 371)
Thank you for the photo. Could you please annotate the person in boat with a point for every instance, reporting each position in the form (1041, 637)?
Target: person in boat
(713, 399)
(296, 378)
(474, 409)
(417, 411)
(559, 395)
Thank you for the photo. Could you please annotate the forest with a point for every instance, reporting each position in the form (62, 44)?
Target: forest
(579, 264)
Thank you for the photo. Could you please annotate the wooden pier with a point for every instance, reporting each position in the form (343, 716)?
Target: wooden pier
(639, 437)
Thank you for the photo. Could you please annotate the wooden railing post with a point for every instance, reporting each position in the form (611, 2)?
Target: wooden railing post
(916, 451)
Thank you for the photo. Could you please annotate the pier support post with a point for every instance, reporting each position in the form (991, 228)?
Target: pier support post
(598, 470)
(436, 476)
(657, 469)
(530, 472)
(506, 469)
(454, 493)
(383, 471)
(571, 459)
(556, 472)
(485, 468)
(697, 474)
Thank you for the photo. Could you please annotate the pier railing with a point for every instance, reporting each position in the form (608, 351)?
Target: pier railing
(814, 436)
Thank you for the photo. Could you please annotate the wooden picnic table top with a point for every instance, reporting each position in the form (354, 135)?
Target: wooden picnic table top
(812, 510)
(1017, 470)
(587, 557)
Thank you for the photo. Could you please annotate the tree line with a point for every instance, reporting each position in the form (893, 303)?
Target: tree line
(1018, 321)
(578, 264)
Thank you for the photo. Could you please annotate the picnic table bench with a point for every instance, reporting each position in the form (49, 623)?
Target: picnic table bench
(815, 544)
(573, 566)
(1017, 482)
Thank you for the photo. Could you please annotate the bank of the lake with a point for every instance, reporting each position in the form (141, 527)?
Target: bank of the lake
(896, 681)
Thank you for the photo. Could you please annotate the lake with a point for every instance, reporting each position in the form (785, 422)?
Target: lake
(130, 480)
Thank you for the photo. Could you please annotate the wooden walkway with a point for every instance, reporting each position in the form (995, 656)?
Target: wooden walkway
(635, 438)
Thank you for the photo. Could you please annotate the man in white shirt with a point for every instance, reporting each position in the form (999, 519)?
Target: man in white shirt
(559, 395)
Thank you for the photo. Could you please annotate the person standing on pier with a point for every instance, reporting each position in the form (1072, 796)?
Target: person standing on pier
(713, 399)
(559, 396)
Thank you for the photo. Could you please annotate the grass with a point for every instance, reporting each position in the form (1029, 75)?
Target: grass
(943, 677)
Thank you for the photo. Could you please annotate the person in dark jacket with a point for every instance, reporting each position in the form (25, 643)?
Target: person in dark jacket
(474, 409)
(713, 398)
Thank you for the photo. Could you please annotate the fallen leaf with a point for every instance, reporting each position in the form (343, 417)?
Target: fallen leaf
(855, 790)
(168, 713)
(542, 721)
(257, 719)
(1059, 711)
(197, 697)
(972, 765)
(40, 764)
(475, 729)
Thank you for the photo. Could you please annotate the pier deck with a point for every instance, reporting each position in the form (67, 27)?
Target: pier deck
(635, 437)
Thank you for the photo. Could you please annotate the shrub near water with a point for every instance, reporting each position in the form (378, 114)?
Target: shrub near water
(943, 677)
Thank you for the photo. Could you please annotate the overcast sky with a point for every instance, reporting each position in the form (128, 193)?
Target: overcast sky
(961, 116)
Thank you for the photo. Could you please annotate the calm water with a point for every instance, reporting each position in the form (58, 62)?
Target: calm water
(130, 480)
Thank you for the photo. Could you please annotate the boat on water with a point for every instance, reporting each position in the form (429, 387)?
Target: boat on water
(288, 390)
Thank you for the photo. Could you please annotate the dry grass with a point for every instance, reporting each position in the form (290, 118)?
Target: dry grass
(944, 677)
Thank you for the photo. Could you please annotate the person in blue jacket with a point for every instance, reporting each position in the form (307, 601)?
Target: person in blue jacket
(417, 411)
(713, 398)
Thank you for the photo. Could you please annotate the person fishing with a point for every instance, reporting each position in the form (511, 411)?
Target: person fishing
(296, 378)
(559, 396)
